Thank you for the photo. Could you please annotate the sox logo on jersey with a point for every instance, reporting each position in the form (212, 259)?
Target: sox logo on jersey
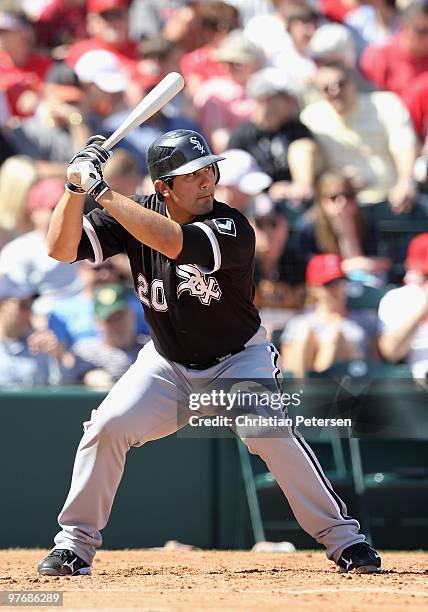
(197, 284)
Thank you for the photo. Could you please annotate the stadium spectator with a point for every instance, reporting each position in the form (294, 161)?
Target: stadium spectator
(373, 21)
(29, 357)
(295, 61)
(334, 43)
(25, 259)
(22, 67)
(368, 135)
(241, 179)
(315, 340)
(107, 24)
(115, 350)
(59, 126)
(403, 313)
(104, 83)
(279, 269)
(222, 102)
(283, 147)
(336, 224)
(394, 64)
(60, 22)
(216, 20)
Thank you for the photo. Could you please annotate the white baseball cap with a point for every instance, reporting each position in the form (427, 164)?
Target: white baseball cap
(103, 69)
(240, 169)
(333, 41)
(269, 82)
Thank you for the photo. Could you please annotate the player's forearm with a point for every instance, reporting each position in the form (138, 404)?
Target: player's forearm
(65, 229)
(149, 227)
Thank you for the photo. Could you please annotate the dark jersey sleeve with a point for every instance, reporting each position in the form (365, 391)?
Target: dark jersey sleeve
(219, 243)
(102, 237)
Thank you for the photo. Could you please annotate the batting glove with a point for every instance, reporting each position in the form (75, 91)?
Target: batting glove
(93, 152)
(85, 176)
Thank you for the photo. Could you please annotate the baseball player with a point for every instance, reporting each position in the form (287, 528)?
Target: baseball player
(192, 261)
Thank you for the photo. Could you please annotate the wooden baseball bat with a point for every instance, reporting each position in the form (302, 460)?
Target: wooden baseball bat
(156, 99)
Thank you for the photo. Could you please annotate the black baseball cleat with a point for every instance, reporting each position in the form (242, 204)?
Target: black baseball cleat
(63, 562)
(360, 558)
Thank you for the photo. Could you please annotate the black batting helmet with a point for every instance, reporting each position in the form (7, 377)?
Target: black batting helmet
(179, 152)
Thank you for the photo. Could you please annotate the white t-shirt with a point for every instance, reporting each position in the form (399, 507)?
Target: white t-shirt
(395, 309)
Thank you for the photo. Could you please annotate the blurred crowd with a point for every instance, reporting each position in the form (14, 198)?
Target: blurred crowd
(320, 108)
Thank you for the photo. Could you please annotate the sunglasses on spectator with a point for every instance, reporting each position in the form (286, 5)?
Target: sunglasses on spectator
(338, 194)
(334, 86)
(114, 14)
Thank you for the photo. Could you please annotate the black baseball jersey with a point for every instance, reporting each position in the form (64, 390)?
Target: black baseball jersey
(199, 306)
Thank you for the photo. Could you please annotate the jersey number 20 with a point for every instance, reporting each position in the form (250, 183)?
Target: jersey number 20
(156, 299)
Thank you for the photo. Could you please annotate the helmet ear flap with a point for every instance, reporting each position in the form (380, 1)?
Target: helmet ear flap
(216, 173)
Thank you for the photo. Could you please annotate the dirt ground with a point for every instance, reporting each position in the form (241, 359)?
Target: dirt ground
(162, 580)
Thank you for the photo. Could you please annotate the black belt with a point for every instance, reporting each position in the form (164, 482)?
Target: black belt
(210, 364)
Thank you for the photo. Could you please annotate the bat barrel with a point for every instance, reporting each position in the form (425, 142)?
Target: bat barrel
(156, 99)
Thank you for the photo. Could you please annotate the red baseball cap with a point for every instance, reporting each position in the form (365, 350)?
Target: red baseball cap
(417, 253)
(45, 193)
(323, 269)
(101, 6)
